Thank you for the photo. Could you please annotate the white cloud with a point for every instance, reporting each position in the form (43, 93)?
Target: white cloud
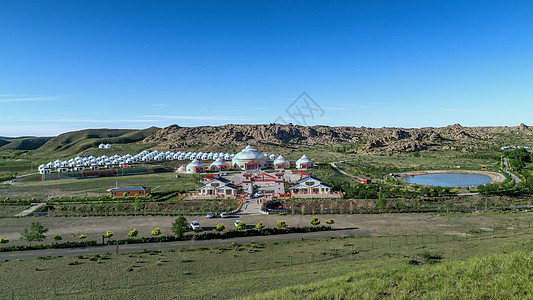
(23, 99)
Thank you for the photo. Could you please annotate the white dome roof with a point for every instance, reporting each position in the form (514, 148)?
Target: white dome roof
(280, 160)
(304, 160)
(219, 162)
(195, 163)
(249, 153)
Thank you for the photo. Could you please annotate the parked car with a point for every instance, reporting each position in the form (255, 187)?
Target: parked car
(195, 224)
(236, 223)
(223, 215)
(209, 215)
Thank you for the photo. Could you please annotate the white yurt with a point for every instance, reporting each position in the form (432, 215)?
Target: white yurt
(304, 163)
(281, 163)
(219, 165)
(195, 166)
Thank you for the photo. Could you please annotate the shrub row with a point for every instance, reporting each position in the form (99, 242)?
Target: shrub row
(49, 246)
(220, 235)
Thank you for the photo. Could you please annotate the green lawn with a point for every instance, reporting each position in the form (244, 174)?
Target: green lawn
(32, 186)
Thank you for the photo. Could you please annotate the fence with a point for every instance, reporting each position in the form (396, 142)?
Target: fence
(185, 268)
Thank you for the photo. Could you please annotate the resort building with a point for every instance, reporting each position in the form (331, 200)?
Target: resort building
(219, 188)
(132, 191)
(281, 163)
(195, 167)
(219, 165)
(310, 186)
(249, 159)
(304, 163)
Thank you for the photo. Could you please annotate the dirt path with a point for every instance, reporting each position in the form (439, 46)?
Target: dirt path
(178, 244)
(342, 171)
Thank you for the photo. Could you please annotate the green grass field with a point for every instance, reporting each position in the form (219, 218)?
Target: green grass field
(32, 186)
(333, 268)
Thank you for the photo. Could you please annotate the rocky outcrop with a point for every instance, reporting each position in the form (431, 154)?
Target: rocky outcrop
(367, 140)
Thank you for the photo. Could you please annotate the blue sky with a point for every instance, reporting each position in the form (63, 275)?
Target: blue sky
(69, 65)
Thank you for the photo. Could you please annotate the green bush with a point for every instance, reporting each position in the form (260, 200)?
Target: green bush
(282, 224)
(57, 237)
(260, 225)
(156, 231)
(83, 236)
(198, 229)
(241, 226)
(49, 246)
(331, 221)
(315, 221)
(4, 241)
(108, 234)
(133, 233)
(220, 227)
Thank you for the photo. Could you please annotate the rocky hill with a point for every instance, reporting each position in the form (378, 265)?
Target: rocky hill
(363, 140)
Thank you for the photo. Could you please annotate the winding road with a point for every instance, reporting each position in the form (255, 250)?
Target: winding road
(506, 170)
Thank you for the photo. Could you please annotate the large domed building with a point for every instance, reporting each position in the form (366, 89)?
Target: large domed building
(249, 159)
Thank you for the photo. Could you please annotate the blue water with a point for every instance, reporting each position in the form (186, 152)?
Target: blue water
(450, 179)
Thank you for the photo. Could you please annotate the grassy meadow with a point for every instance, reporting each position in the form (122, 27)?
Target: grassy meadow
(333, 268)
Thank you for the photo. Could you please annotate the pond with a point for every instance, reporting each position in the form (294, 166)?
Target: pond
(450, 179)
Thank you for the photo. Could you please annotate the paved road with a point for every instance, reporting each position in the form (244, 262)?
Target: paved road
(179, 244)
(251, 207)
(30, 209)
(506, 170)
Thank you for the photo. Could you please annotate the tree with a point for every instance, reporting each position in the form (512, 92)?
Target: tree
(156, 232)
(241, 226)
(108, 234)
(82, 237)
(34, 233)
(315, 221)
(281, 224)
(220, 227)
(133, 233)
(330, 221)
(179, 226)
(260, 225)
(4, 241)
(57, 237)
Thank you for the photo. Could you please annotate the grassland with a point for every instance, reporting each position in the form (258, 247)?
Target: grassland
(32, 186)
(326, 268)
(504, 276)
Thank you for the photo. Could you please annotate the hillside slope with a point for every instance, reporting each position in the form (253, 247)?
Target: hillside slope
(22, 143)
(505, 276)
(78, 141)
